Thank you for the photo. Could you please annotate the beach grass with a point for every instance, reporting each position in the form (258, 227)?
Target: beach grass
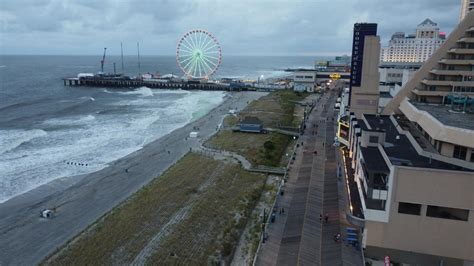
(217, 198)
(275, 109)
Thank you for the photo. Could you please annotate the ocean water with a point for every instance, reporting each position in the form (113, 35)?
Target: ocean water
(48, 131)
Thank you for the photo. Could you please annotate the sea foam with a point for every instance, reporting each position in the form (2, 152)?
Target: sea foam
(10, 139)
(95, 140)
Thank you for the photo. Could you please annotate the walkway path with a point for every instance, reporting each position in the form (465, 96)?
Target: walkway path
(300, 236)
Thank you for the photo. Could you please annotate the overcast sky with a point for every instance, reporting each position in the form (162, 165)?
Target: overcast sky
(258, 27)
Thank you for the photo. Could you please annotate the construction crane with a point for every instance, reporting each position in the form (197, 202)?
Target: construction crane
(103, 61)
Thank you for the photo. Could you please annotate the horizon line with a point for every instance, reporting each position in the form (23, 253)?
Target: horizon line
(282, 55)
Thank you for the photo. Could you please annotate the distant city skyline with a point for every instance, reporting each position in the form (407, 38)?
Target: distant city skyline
(320, 27)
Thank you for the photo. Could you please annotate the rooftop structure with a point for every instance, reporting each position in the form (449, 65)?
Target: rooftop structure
(364, 91)
(445, 115)
(416, 47)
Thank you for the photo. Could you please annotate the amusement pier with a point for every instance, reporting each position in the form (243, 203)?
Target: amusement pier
(125, 82)
(198, 55)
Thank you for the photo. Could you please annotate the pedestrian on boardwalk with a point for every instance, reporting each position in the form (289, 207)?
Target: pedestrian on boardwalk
(283, 210)
(326, 218)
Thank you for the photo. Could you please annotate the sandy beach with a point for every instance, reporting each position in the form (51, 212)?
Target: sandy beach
(81, 200)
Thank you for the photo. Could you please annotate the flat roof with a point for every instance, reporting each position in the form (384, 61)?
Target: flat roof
(445, 115)
(374, 160)
(362, 125)
(400, 150)
(251, 120)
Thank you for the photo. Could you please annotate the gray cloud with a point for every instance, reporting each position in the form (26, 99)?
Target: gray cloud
(243, 27)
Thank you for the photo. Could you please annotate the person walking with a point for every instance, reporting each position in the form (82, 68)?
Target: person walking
(326, 218)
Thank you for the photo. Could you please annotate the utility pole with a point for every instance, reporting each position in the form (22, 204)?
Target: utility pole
(115, 72)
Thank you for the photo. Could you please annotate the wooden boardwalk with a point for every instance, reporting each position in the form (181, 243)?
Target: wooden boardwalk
(299, 237)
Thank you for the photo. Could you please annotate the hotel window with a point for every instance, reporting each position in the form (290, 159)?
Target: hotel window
(447, 213)
(460, 152)
(409, 208)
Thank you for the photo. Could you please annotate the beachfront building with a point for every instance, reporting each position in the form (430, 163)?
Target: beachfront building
(417, 204)
(412, 167)
(416, 47)
(364, 82)
(304, 81)
(466, 6)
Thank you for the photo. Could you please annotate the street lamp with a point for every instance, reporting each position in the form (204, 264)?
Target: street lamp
(258, 80)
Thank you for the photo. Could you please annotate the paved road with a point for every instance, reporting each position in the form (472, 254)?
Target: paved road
(26, 239)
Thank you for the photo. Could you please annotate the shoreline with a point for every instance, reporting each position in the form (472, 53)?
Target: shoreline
(82, 199)
(68, 180)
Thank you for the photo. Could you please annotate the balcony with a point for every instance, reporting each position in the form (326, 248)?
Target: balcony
(452, 72)
(430, 93)
(456, 61)
(466, 40)
(430, 82)
(469, 84)
(461, 51)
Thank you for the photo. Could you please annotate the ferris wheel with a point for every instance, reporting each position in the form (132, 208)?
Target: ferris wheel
(198, 54)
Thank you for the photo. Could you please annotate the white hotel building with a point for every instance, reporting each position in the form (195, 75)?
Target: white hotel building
(416, 47)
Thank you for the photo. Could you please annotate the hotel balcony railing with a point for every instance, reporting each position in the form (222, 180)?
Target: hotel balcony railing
(466, 39)
(456, 61)
(430, 82)
(461, 51)
(452, 72)
(430, 93)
